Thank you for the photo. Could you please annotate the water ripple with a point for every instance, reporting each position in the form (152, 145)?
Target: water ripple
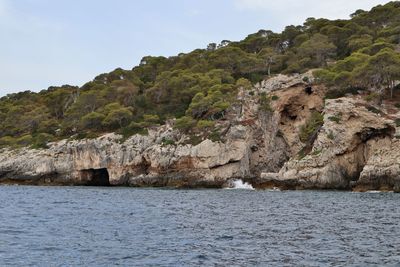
(64, 226)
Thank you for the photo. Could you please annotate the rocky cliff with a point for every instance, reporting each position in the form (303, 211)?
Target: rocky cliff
(355, 148)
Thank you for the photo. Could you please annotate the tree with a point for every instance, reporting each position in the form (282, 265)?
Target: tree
(318, 48)
(118, 118)
(126, 92)
(235, 60)
(224, 43)
(211, 46)
(290, 33)
(358, 42)
(210, 106)
(151, 120)
(244, 84)
(358, 12)
(253, 43)
(58, 99)
(88, 102)
(341, 74)
(269, 56)
(92, 120)
(381, 70)
(199, 106)
(339, 36)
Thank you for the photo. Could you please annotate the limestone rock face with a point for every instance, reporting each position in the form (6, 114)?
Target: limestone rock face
(382, 169)
(254, 141)
(354, 148)
(284, 81)
(138, 161)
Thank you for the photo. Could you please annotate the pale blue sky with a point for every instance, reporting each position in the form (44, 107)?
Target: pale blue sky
(55, 42)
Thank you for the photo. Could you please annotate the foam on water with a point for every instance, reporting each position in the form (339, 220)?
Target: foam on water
(274, 189)
(377, 192)
(239, 184)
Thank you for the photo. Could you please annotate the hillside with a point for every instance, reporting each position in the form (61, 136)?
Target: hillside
(359, 55)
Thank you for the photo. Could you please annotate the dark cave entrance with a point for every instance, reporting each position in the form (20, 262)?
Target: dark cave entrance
(95, 177)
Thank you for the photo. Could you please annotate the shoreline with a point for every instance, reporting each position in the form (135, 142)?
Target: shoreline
(254, 187)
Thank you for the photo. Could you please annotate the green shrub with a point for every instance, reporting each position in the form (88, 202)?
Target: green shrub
(24, 140)
(118, 118)
(194, 140)
(301, 154)
(371, 97)
(166, 142)
(7, 141)
(256, 77)
(244, 83)
(92, 121)
(86, 135)
(317, 152)
(151, 120)
(205, 124)
(265, 103)
(215, 136)
(185, 123)
(134, 128)
(311, 126)
(333, 94)
(374, 110)
(335, 119)
(274, 97)
(79, 136)
(41, 140)
(338, 93)
(211, 105)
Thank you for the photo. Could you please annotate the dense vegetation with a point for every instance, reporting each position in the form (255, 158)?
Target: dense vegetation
(198, 87)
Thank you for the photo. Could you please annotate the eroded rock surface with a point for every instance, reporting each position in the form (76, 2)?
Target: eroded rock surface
(354, 149)
(139, 161)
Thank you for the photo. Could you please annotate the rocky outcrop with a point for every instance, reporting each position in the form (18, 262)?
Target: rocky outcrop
(281, 81)
(382, 169)
(139, 161)
(356, 148)
(253, 141)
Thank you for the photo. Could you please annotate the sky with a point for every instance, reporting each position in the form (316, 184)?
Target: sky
(54, 42)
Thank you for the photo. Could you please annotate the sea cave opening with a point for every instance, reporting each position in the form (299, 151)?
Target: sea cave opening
(96, 177)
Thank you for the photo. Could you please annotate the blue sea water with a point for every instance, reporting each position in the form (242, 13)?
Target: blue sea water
(88, 226)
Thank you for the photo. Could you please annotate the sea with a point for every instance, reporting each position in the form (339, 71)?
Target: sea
(121, 226)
